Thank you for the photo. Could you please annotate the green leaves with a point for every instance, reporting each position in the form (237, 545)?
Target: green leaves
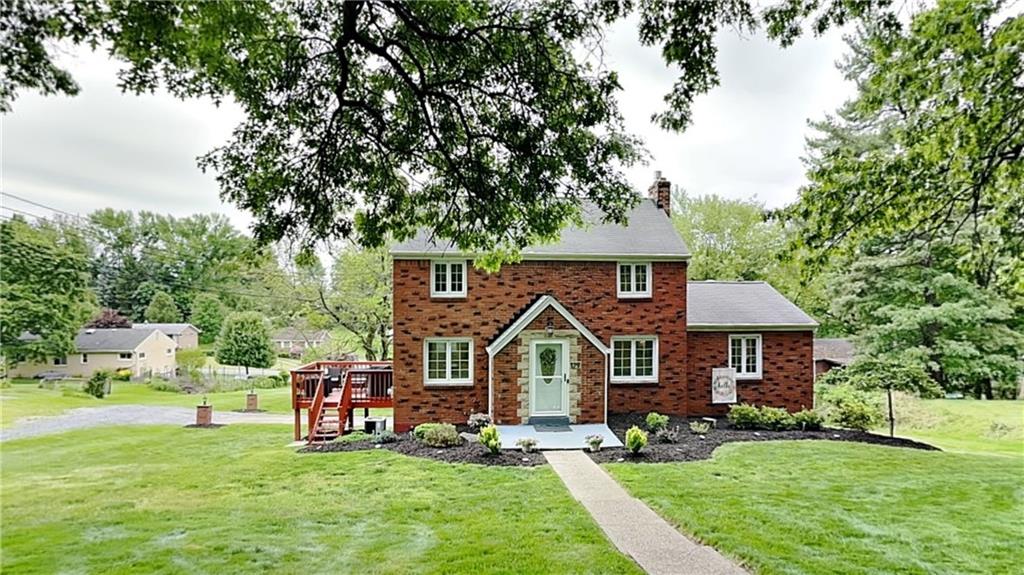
(245, 340)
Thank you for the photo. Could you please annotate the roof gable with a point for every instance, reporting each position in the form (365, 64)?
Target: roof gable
(167, 328)
(713, 305)
(111, 339)
(531, 313)
(648, 234)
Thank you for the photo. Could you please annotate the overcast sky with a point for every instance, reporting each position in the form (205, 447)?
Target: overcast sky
(103, 148)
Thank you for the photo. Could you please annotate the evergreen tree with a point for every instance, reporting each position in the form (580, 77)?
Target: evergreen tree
(162, 309)
(245, 340)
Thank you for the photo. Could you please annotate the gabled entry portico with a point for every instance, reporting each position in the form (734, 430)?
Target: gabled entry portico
(547, 364)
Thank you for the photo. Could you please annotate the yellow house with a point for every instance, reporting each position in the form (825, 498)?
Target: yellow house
(185, 335)
(144, 351)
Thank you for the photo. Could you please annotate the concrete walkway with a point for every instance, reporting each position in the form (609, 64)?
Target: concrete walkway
(84, 417)
(633, 527)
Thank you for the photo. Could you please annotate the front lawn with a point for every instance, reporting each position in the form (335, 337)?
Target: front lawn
(165, 499)
(830, 507)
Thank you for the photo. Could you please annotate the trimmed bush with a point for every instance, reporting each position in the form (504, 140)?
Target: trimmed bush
(386, 436)
(775, 419)
(656, 421)
(808, 420)
(442, 435)
(744, 416)
(354, 437)
(421, 430)
(636, 440)
(96, 386)
(700, 427)
(490, 439)
(122, 375)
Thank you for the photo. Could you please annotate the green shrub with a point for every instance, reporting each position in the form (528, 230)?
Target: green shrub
(122, 375)
(157, 384)
(5, 383)
(442, 435)
(850, 408)
(96, 386)
(354, 437)
(656, 421)
(636, 440)
(744, 416)
(386, 436)
(700, 427)
(808, 420)
(421, 430)
(775, 419)
(490, 439)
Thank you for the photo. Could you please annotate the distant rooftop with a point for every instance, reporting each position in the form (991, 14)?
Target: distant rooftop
(167, 328)
(839, 351)
(294, 334)
(711, 304)
(649, 233)
(110, 339)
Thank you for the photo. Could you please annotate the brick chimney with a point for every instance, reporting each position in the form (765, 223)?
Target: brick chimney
(661, 192)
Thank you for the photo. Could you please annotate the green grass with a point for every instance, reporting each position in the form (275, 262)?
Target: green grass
(962, 425)
(24, 398)
(235, 500)
(831, 507)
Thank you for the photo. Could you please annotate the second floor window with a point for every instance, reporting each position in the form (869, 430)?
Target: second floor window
(448, 279)
(634, 280)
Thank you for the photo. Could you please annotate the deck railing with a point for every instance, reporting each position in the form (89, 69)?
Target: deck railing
(371, 381)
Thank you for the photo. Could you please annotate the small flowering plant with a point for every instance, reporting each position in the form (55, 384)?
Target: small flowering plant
(478, 421)
(594, 441)
(527, 444)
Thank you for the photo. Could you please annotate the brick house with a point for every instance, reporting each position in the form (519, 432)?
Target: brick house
(603, 321)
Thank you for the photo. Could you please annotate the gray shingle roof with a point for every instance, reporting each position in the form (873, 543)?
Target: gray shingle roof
(293, 334)
(742, 304)
(649, 233)
(835, 350)
(119, 339)
(167, 328)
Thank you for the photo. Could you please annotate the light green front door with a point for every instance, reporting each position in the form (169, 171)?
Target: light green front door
(549, 373)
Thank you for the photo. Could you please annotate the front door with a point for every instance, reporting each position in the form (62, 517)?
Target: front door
(549, 370)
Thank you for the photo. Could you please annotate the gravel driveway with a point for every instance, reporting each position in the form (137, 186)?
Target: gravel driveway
(83, 417)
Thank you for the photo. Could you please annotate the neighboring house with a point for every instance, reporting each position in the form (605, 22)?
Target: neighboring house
(144, 352)
(185, 335)
(296, 341)
(831, 353)
(603, 321)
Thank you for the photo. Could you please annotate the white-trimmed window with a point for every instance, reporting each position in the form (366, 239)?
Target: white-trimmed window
(142, 355)
(745, 355)
(634, 279)
(124, 356)
(448, 361)
(448, 279)
(634, 359)
(62, 360)
(85, 358)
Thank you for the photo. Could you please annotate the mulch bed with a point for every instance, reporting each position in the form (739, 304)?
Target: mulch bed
(692, 447)
(468, 452)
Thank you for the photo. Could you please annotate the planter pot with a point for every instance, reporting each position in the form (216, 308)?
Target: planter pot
(595, 448)
(252, 402)
(204, 415)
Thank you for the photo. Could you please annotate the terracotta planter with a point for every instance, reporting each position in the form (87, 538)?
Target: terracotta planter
(252, 402)
(204, 415)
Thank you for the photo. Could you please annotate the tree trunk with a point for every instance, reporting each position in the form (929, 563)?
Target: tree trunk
(987, 389)
(247, 370)
(892, 420)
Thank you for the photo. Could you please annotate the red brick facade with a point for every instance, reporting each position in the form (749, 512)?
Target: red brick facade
(787, 373)
(586, 289)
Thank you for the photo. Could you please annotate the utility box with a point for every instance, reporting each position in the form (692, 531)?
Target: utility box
(374, 425)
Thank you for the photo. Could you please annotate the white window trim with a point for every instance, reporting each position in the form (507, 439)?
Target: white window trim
(632, 294)
(448, 293)
(447, 381)
(653, 378)
(84, 358)
(121, 358)
(746, 336)
(142, 355)
(60, 361)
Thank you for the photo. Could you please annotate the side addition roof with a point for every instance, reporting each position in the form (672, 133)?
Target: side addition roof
(839, 351)
(167, 328)
(531, 313)
(714, 305)
(648, 234)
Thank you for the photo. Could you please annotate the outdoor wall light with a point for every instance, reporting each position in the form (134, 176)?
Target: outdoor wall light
(550, 328)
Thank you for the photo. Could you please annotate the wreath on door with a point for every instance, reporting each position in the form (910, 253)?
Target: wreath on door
(548, 357)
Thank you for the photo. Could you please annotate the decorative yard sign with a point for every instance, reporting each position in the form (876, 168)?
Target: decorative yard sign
(723, 385)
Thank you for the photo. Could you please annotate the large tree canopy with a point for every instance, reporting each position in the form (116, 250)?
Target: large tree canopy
(488, 122)
(932, 147)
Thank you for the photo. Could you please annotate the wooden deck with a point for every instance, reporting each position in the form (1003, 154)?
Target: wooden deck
(331, 391)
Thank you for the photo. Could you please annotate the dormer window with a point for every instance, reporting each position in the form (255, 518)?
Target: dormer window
(448, 279)
(634, 280)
